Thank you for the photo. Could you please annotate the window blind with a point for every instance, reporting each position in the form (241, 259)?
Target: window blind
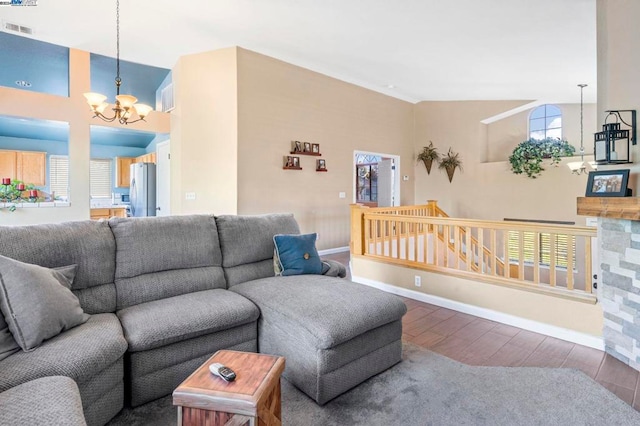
(59, 176)
(563, 243)
(100, 175)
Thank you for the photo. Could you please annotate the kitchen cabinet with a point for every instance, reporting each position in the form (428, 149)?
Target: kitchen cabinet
(106, 213)
(32, 167)
(8, 165)
(147, 158)
(123, 165)
(29, 167)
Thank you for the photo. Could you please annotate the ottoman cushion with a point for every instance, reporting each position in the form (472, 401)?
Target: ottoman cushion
(329, 310)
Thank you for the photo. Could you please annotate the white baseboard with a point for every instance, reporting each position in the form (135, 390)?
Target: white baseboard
(526, 324)
(333, 250)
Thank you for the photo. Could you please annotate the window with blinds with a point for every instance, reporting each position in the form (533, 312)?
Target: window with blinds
(59, 176)
(100, 171)
(563, 243)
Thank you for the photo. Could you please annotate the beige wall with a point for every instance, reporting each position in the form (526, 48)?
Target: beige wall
(76, 112)
(573, 315)
(204, 133)
(618, 65)
(279, 102)
(489, 190)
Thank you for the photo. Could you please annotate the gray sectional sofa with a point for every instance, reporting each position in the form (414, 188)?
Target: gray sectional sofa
(165, 293)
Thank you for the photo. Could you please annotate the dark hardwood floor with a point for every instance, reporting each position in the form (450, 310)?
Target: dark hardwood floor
(477, 341)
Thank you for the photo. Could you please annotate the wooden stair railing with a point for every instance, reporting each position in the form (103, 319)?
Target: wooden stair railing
(426, 237)
(475, 266)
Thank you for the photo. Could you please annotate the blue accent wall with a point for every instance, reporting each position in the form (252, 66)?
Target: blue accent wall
(138, 80)
(44, 65)
(21, 144)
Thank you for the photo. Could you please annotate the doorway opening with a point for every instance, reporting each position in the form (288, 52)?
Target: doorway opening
(376, 179)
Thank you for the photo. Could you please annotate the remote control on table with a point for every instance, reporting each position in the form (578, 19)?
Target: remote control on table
(225, 372)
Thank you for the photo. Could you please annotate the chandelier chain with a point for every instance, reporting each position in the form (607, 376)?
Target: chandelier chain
(125, 105)
(118, 79)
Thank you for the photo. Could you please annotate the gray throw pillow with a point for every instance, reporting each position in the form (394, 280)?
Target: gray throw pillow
(8, 345)
(36, 302)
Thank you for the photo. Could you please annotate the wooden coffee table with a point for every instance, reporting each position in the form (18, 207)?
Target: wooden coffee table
(253, 398)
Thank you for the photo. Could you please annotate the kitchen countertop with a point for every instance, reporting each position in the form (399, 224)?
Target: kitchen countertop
(112, 206)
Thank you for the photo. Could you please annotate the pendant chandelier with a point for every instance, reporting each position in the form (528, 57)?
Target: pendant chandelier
(125, 105)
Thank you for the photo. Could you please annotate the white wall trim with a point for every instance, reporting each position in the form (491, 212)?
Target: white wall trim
(526, 324)
(333, 250)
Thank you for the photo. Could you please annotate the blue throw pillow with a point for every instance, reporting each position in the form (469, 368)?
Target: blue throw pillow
(297, 254)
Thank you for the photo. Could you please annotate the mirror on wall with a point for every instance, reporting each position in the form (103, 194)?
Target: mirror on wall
(35, 153)
(113, 151)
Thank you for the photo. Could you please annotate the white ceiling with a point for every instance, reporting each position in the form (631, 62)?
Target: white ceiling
(427, 49)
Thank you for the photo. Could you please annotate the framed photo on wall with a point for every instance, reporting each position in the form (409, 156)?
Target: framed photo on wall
(608, 183)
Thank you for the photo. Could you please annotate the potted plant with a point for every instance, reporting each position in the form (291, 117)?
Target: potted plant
(528, 156)
(14, 192)
(428, 155)
(450, 162)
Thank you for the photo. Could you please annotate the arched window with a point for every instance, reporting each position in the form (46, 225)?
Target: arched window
(545, 122)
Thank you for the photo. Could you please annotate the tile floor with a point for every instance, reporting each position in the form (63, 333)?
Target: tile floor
(477, 341)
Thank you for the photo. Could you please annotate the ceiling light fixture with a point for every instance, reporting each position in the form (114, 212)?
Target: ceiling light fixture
(125, 104)
(580, 167)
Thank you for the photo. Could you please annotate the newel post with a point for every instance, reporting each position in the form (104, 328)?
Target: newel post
(432, 206)
(357, 229)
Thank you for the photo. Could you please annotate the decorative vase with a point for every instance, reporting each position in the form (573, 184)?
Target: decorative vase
(450, 171)
(427, 163)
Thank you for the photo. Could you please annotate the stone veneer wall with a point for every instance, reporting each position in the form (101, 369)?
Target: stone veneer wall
(619, 289)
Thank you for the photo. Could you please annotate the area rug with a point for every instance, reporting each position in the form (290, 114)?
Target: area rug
(429, 389)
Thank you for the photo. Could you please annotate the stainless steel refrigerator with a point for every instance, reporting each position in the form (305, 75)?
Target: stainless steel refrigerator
(142, 189)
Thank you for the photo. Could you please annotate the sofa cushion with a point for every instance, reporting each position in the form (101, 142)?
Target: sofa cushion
(161, 322)
(47, 401)
(247, 244)
(36, 302)
(79, 353)
(88, 244)
(330, 310)
(297, 254)
(159, 257)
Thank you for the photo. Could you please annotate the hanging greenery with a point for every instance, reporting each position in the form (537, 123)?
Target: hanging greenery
(428, 155)
(450, 162)
(528, 156)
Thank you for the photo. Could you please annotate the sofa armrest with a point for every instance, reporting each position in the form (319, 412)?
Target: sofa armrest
(44, 401)
(332, 268)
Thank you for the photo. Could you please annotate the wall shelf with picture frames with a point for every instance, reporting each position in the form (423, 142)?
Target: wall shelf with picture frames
(321, 165)
(291, 162)
(305, 148)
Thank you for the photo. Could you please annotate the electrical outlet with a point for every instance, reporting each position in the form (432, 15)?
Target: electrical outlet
(190, 196)
(418, 281)
(342, 195)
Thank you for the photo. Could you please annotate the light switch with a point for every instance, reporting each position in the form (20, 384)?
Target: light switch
(190, 196)
(342, 195)
(405, 178)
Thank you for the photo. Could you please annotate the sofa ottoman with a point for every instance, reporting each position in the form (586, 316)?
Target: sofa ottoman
(53, 400)
(335, 334)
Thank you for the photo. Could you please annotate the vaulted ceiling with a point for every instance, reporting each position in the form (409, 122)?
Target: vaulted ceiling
(411, 49)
